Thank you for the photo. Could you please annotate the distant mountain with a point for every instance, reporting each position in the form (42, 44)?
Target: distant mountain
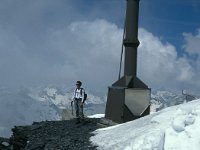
(62, 99)
(18, 108)
(163, 99)
(26, 105)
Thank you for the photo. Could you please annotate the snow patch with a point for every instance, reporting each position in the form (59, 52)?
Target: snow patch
(97, 116)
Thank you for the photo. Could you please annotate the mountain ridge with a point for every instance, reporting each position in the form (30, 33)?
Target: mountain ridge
(24, 105)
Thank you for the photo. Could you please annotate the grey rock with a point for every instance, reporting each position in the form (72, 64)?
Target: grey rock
(5, 144)
(55, 135)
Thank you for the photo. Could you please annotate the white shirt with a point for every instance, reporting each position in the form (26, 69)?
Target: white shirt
(77, 94)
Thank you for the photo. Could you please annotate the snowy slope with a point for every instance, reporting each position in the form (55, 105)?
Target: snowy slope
(173, 128)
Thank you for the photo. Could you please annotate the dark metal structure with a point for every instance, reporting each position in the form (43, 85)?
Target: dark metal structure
(129, 98)
(188, 97)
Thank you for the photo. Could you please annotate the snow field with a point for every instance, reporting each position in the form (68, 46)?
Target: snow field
(174, 128)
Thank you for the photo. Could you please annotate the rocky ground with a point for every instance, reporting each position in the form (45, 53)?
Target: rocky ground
(4, 144)
(52, 135)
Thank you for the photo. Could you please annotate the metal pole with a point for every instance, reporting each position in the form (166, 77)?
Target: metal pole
(131, 41)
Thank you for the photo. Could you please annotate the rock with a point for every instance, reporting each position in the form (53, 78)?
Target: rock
(50, 135)
(5, 144)
(59, 135)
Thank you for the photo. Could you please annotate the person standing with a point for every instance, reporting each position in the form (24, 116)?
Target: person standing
(78, 99)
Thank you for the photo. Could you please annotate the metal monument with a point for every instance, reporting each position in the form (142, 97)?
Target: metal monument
(129, 97)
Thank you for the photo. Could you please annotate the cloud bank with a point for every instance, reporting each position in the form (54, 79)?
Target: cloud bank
(38, 47)
(160, 65)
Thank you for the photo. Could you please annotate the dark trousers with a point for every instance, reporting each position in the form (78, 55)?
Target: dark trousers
(79, 109)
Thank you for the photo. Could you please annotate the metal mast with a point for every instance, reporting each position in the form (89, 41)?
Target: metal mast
(129, 98)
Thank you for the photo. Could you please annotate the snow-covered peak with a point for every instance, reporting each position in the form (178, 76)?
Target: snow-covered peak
(166, 96)
(62, 98)
(19, 108)
(163, 99)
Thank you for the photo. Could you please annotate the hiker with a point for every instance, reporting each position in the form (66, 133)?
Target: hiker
(78, 99)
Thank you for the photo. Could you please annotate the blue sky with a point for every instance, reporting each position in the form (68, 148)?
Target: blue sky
(58, 42)
(169, 19)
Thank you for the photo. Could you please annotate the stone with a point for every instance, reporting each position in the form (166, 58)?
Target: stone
(50, 135)
(5, 144)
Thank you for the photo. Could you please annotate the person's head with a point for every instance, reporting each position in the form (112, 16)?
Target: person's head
(78, 84)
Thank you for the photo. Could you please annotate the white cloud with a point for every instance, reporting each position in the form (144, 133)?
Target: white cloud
(159, 63)
(192, 44)
(90, 51)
